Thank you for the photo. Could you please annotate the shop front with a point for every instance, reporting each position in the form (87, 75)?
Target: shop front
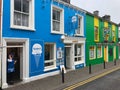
(74, 52)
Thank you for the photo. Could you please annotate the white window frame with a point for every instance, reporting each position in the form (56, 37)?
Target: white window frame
(31, 17)
(61, 20)
(119, 33)
(99, 56)
(94, 53)
(47, 68)
(81, 55)
(80, 31)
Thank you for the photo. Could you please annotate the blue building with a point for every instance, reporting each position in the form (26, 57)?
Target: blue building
(42, 35)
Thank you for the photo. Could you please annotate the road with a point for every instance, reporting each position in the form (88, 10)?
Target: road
(108, 82)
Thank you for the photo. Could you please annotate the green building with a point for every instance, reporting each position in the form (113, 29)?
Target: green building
(101, 39)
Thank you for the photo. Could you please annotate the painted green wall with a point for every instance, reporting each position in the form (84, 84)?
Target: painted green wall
(90, 40)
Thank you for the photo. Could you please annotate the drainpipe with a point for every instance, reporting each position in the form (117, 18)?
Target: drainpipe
(1, 48)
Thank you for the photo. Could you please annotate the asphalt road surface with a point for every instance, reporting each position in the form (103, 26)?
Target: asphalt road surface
(108, 82)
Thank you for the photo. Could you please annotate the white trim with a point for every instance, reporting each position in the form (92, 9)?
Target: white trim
(25, 67)
(31, 17)
(81, 26)
(61, 18)
(46, 68)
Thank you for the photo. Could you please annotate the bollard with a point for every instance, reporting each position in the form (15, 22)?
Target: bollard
(115, 62)
(89, 68)
(63, 79)
(104, 65)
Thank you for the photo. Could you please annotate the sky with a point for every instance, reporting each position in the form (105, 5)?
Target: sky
(105, 7)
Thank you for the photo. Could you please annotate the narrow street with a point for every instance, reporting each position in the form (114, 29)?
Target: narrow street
(108, 82)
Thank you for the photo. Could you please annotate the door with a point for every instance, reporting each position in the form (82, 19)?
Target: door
(16, 51)
(68, 58)
(106, 53)
(114, 53)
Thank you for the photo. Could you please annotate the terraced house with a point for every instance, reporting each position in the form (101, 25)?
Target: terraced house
(101, 39)
(42, 35)
(45, 35)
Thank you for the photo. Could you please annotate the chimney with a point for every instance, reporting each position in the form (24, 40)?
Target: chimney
(96, 13)
(106, 17)
(67, 1)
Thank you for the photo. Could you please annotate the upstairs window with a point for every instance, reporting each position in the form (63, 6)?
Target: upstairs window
(113, 36)
(80, 30)
(22, 14)
(106, 34)
(57, 20)
(96, 33)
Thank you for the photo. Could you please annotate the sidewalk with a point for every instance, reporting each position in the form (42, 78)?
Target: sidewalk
(71, 77)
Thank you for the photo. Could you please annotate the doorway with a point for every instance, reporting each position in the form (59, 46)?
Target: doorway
(68, 52)
(106, 53)
(21, 46)
(17, 57)
(16, 49)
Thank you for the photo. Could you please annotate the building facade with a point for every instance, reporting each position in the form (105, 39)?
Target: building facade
(43, 35)
(101, 39)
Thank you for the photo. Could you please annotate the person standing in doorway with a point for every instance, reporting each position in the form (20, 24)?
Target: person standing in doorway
(10, 68)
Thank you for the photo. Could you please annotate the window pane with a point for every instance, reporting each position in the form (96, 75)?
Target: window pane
(56, 15)
(25, 20)
(56, 26)
(17, 18)
(76, 59)
(49, 52)
(92, 52)
(25, 6)
(75, 50)
(79, 50)
(17, 5)
(79, 58)
(99, 52)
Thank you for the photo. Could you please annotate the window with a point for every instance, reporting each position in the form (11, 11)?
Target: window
(92, 52)
(22, 14)
(106, 34)
(50, 56)
(78, 52)
(96, 33)
(57, 20)
(80, 30)
(99, 51)
(113, 36)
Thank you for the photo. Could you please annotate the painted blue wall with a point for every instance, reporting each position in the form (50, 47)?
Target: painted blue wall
(42, 31)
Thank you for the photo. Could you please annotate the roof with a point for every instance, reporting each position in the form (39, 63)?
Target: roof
(70, 5)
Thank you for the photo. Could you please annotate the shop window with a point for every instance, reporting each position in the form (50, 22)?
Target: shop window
(57, 20)
(99, 51)
(22, 16)
(78, 54)
(50, 56)
(92, 52)
(96, 33)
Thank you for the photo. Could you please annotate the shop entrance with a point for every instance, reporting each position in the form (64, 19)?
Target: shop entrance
(106, 53)
(17, 51)
(68, 50)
